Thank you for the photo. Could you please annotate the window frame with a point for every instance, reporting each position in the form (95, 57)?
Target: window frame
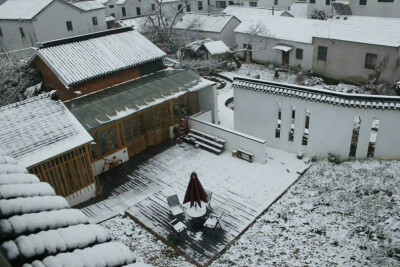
(220, 4)
(95, 21)
(323, 56)
(70, 27)
(299, 53)
(370, 57)
(362, 3)
(199, 5)
(123, 11)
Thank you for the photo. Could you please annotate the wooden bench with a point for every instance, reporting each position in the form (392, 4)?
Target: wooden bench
(205, 141)
(209, 136)
(243, 154)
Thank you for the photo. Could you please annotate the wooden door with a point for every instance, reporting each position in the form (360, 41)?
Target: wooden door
(285, 58)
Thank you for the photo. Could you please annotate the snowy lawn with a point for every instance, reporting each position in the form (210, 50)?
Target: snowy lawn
(225, 114)
(336, 215)
(241, 190)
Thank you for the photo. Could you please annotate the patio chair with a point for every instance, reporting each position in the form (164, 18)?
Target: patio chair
(174, 206)
(209, 196)
(177, 227)
(213, 222)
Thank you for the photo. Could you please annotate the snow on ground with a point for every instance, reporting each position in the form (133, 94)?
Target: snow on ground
(225, 114)
(346, 215)
(145, 246)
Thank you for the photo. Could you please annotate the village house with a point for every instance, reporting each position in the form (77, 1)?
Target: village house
(38, 228)
(127, 118)
(84, 64)
(23, 23)
(343, 48)
(219, 5)
(316, 121)
(194, 26)
(283, 4)
(43, 135)
(215, 49)
(244, 13)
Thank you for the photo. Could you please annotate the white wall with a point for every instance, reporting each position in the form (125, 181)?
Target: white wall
(330, 127)
(234, 139)
(346, 60)
(12, 39)
(376, 9)
(98, 165)
(208, 101)
(51, 24)
(284, 4)
(263, 54)
(111, 10)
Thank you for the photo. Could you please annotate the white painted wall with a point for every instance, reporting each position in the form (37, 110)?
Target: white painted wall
(284, 4)
(208, 101)
(82, 195)
(376, 9)
(50, 24)
(98, 165)
(346, 60)
(330, 128)
(234, 139)
(263, 54)
(111, 8)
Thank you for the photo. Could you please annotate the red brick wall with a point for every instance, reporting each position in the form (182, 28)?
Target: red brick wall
(52, 82)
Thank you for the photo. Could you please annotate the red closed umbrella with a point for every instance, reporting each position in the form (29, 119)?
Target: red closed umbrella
(195, 191)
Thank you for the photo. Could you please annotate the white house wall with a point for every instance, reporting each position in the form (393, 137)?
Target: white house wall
(111, 8)
(284, 4)
(376, 9)
(346, 60)
(208, 101)
(50, 24)
(266, 54)
(12, 39)
(330, 126)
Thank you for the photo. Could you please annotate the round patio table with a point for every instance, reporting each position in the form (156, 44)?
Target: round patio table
(196, 211)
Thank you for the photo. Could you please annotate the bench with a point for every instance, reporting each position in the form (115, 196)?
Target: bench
(206, 140)
(242, 154)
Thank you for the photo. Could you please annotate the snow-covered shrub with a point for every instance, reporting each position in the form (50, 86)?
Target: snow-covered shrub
(318, 14)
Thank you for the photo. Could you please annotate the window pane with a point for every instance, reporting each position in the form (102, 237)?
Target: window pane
(96, 148)
(78, 174)
(70, 177)
(128, 130)
(135, 128)
(62, 180)
(121, 135)
(112, 138)
(103, 142)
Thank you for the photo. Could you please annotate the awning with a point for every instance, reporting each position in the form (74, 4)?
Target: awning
(283, 48)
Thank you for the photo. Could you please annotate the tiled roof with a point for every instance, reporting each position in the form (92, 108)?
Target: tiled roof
(203, 22)
(88, 5)
(359, 29)
(245, 13)
(105, 106)
(216, 47)
(81, 58)
(22, 9)
(319, 95)
(39, 128)
(47, 232)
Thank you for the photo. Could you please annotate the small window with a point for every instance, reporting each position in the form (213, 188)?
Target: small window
(69, 26)
(153, 7)
(123, 11)
(200, 5)
(363, 2)
(111, 6)
(230, 3)
(328, 2)
(188, 8)
(138, 12)
(1, 33)
(299, 53)
(180, 10)
(385, 1)
(94, 20)
(21, 31)
(322, 53)
(312, 1)
(276, 2)
(253, 4)
(220, 4)
(370, 61)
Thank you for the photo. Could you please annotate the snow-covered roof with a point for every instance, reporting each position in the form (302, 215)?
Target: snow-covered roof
(195, 45)
(280, 27)
(121, 2)
(110, 18)
(298, 9)
(216, 47)
(44, 231)
(97, 109)
(38, 129)
(88, 5)
(359, 29)
(103, 1)
(28, 9)
(318, 95)
(81, 58)
(22, 9)
(245, 13)
(204, 22)
(142, 24)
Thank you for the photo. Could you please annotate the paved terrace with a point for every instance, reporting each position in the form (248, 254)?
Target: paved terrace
(241, 190)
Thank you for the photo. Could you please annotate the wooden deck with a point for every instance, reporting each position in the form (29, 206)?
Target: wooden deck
(241, 190)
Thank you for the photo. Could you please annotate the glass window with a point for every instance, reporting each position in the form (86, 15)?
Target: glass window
(312, 1)
(78, 174)
(370, 61)
(69, 25)
(299, 53)
(62, 181)
(96, 153)
(85, 170)
(322, 53)
(199, 5)
(138, 12)
(327, 2)
(128, 130)
(70, 177)
(103, 142)
(253, 4)
(220, 4)
(112, 138)
(135, 128)
(123, 11)
(363, 2)
(94, 20)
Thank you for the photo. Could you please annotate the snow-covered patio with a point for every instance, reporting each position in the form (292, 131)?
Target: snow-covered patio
(241, 190)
